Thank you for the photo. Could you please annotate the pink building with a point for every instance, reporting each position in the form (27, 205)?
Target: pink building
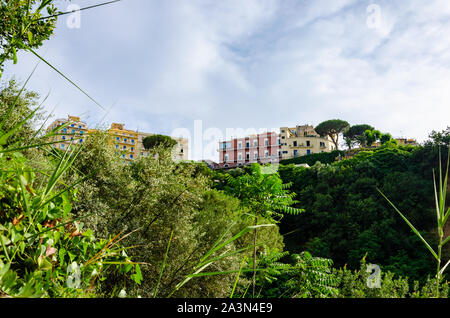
(262, 148)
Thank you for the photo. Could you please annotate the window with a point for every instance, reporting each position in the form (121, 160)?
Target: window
(132, 140)
(308, 152)
(283, 131)
(226, 158)
(279, 153)
(308, 143)
(73, 125)
(283, 137)
(240, 156)
(81, 132)
(79, 126)
(62, 146)
(247, 144)
(278, 141)
(118, 138)
(124, 147)
(294, 143)
(65, 130)
(240, 145)
(266, 142)
(247, 156)
(73, 131)
(255, 155)
(322, 144)
(266, 153)
(131, 156)
(125, 140)
(295, 153)
(255, 143)
(117, 146)
(132, 149)
(81, 140)
(285, 152)
(63, 137)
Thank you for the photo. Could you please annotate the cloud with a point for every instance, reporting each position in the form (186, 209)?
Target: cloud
(257, 64)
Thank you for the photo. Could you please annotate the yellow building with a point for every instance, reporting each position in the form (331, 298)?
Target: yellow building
(74, 131)
(302, 140)
(124, 141)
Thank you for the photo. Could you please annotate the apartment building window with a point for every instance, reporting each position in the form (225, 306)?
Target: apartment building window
(308, 143)
(247, 156)
(255, 143)
(131, 156)
(117, 146)
(285, 152)
(240, 145)
(308, 152)
(118, 138)
(266, 142)
(240, 156)
(125, 140)
(278, 141)
(81, 132)
(266, 153)
(295, 153)
(65, 130)
(132, 141)
(73, 125)
(247, 144)
(322, 144)
(294, 143)
(283, 131)
(73, 131)
(279, 153)
(255, 155)
(79, 126)
(124, 147)
(132, 148)
(226, 158)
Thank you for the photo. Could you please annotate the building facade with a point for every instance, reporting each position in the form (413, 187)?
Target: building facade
(303, 140)
(72, 131)
(261, 148)
(128, 144)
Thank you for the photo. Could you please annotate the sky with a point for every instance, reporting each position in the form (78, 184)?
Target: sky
(209, 67)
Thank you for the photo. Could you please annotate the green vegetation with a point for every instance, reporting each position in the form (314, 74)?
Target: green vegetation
(80, 223)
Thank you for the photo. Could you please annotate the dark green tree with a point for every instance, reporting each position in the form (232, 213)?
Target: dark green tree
(154, 141)
(332, 128)
(355, 134)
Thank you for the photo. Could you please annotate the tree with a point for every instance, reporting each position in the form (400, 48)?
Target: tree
(154, 141)
(372, 136)
(265, 195)
(332, 128)
(24, 104)
(355, 134)
(21, 27)
(385, 138)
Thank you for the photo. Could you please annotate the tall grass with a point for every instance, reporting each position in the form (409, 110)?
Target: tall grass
(442, 215)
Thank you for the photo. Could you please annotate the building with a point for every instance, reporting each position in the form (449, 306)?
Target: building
(127, 143)
(72, 131)
(124, 141)
(401, 142)
(261, 148)
(303, 140)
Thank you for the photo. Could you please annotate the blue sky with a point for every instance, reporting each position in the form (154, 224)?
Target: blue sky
(159, 65)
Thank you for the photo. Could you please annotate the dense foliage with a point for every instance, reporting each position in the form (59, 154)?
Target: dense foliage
(347, 217)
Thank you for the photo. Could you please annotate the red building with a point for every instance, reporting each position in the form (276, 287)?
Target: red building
(262, 148)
